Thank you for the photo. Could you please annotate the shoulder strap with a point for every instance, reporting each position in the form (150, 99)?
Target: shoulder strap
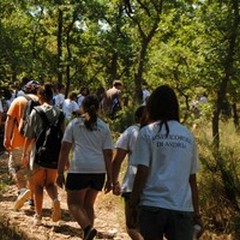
(42, 114)
(16, 93)
(60, 118)
(27, 97)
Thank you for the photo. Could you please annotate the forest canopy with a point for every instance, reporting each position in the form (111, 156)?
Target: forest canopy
(192, 45)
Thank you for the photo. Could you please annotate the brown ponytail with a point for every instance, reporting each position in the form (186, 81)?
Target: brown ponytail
(90, 107)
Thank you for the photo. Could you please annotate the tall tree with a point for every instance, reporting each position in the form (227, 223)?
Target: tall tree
(230, 39)
(145, 17)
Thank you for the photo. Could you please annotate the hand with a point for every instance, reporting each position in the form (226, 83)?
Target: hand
(116, 189)
(67, 165)
(197, 220)
(60, 181)
(108, 186)
(7, 144)
(133, 219)
(25, 160)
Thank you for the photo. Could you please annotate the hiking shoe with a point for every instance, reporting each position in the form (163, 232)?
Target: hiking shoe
(92, 232)
(23, 196)
(37, 220)
(56, 214)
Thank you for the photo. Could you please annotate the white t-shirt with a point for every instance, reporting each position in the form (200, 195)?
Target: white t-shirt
(80, 100)
(20, 93)
(146, 94)
(58, 100)
(127, 142)
(15, 94)
(171, 161)
(88, 146)
(1, 107)
(69, 107)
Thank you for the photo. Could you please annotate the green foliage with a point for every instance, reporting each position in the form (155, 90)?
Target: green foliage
(218, 179)
(123, 120)
(194, 46)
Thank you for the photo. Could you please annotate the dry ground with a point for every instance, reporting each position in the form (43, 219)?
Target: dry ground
(109, 216)
(108, 208)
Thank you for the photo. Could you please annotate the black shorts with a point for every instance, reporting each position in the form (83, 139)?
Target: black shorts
(154, 222)
(126, 196)
(79, 181)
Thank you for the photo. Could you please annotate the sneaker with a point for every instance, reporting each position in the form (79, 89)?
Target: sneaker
(23, 196)
(37, 220)
(56, 214)
(92, 232)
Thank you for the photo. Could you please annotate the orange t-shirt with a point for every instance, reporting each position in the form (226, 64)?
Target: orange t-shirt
(16, 111)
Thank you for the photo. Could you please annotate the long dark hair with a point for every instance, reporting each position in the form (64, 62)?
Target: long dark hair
(90, 106)
(46, 92)
(163, 106)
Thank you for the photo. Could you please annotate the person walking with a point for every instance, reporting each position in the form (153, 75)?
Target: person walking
(84, 91)
(42, 177)
(58, 96)
(90, 140)
(165, 186)
(70, 107)
(14, 142)
(125, 146)
(111, 102)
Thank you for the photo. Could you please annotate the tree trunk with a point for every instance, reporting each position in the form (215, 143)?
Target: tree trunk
(145, 41)
(114, 68)
(68, 67)
(69, 53)
(141, 59)
(139, 73)
(59, 45)
(227, 73)
(235, 116)
(226, 173)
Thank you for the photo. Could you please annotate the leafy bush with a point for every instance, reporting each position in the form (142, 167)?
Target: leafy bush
(124, 119)
(219, 182)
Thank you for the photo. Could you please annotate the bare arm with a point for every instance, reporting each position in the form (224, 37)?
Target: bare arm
(62, 161)
(9, 125)
(26, 150)
(139, 182)
(28, 145)
(119, 156)
(108, 154)
(194, 189)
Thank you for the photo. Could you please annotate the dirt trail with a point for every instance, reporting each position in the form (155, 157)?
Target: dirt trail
(109, 219)
(109, 215)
